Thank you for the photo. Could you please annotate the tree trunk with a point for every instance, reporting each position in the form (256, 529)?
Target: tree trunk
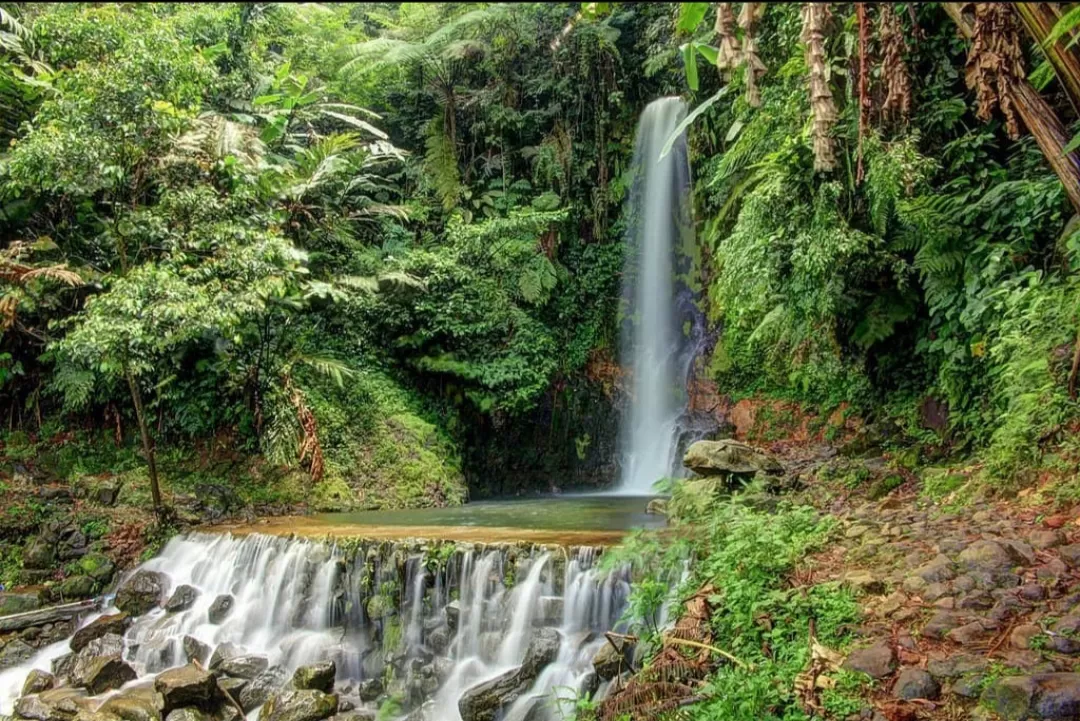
(148, 446)
(1041, 120)
(1039, 19)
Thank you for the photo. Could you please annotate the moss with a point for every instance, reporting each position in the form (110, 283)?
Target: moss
(332, 493)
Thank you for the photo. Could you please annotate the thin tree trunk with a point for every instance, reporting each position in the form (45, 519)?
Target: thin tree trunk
(1039, 19)
(1041, 120)
(148, 446)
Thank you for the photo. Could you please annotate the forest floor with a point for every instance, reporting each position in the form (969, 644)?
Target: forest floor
(970, 603)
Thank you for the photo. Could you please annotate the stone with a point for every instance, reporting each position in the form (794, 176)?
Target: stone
(988, 560)
(865, 582)
(141, 593)
(370, 689)
(1031, 592)
(246, 666)
(182, 599)
(263, 686)
(74, 587)
(97, 566)
(439, 639)
(12, 602)
(956, 665)
(63, 666)
(1070, 554)
(1020, 552)
(613, 658)
(712, 458)
(15, 653)
(656, 507)
(453, 614)
(1043, 540)
(38, 681)
(942, 623)
(1022, 636)
(221, 608)
(39, 554)
(37, 709)
(969, 634)
(1041, 696)
(138, 706)
(937, 570)
(186, 714)
(876, 661)
(186, 686)
(299, 705)
(224, 652)
(104, 673)
(913, 683)
(317, 676)
(485, 701)
(195, 650)
(233, 686)
(116, 623)
(935, 591)
(105, 494)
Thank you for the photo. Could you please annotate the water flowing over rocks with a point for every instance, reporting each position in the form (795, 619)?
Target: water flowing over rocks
(305, 631)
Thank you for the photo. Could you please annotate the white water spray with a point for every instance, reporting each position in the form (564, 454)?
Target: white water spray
(651, 340)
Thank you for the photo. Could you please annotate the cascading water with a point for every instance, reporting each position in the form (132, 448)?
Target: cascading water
(426, 624)
(652, 343)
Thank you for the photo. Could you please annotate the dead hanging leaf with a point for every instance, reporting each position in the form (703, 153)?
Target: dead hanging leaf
(310, 448)
(815, 16)
(995, 65)
(729, 51)
(823, 660)
(894, 71)
(755, 68)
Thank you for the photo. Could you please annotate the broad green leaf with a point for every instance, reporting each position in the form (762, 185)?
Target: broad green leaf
(690, 62)
(689, 119)
(691, 15)
(707, 51)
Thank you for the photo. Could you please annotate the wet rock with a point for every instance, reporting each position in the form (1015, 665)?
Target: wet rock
(913, 683)
(246, 666)
(300, 705)
(182, 599)
(141, 593)
(63, 666)
(317, 676)
(657, 507)
(195, 650)
(77, 587)
(39, 709)
(14, 653)
(233, 686)
(116, 623)
(186, 686)
(453, 614)
(876, 661)
(550, 612)
(224, 652)
(221, 608)
(370, 689)
(136, 706)
(103, 673)
(1042, 696)
(359, 714)
(439, 639)
(613, 658)
(38, 681)
(186, 714)
(486, 700)
(713, 458)
(262, 686)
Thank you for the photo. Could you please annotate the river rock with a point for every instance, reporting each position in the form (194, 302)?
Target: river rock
(876, 661)
(37, 708)
(233, 686)
(439, 639)
(37, 681)
(186, 686)
(224, 652)
(141, 593)
(104, 673)
(195, 650)
(262, 686)
(12, 602)
(138, 705)
(1042, 696)
(116, 623)
(613, 658)
(299, 705)
(317, 676)
(186, 714)
(182, 599)
(79, 586)
(14, 653)
(484, 701)
(729, 457)
(246, 666)
(221, 608)
(63, 666)
(453, 614)
(370, 689)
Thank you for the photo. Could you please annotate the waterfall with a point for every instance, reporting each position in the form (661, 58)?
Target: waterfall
(436, 619)
(652, 342)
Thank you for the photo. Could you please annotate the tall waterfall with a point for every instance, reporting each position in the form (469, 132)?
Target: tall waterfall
(652, 342)
(423, 623)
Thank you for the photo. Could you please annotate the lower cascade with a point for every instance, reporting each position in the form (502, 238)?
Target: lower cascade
(424, 631)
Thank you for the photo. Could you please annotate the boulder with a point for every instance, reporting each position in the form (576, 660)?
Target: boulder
(135, 706)
(729, 457)
(1042, 696)
(97, 566)
(613, 658)
(246, 666)
(186, 714)
(77, 587)
(182, 598)
(195, 650)
(370, 689)
(221, 608)
(37, 708)
(656, 507)
(116, 623)
(14, 653)
(141, 593)
(38, 681)
(186, 686)
(233, 686)
(224, 652)
(317, 676)
(913, 683)
(485, 701)
(63, 666)
(262, 687)
(453, 614)
(299, 705)
(12, 602)
(876, 661)
(104, 673)
(106, 494)
(39, 554)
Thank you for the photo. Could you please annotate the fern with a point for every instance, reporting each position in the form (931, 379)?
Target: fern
(441, 165)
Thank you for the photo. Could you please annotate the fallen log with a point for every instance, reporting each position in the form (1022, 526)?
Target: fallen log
(52, 614)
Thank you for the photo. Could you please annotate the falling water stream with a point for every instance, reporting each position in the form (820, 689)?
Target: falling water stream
(652, 342)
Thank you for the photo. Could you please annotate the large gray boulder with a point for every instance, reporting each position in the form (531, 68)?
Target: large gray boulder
(246, 666)
(182, 599)
(104, 673)
(485, 701)
(186, 686)
(262, 687)
(142, 592)
(221, 608)
(38, 681)
(728, 457)
(299, 705)
(317, 676)
(116, 623)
